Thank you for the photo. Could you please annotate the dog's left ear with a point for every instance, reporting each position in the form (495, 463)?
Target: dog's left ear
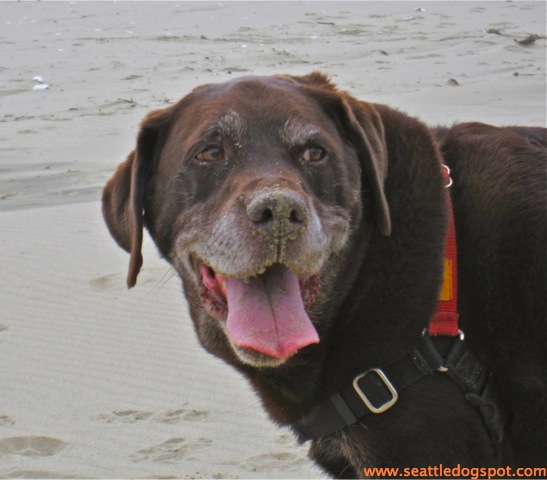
(360, 124)
(123, 195)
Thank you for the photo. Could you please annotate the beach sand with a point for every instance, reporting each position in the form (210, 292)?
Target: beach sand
(101, 382)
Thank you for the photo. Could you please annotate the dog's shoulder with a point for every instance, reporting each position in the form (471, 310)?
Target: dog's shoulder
(501, 169)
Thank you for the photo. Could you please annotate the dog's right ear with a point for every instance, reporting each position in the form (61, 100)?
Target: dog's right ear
(123, 195)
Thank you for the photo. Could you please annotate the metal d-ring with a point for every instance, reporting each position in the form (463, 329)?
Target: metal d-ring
(442, 363)
(450, 182)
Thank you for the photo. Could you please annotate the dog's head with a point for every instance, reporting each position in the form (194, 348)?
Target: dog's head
(253, 189)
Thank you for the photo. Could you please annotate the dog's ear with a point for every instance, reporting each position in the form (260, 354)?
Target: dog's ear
(360, 125)
(123, 195)
(366, 131)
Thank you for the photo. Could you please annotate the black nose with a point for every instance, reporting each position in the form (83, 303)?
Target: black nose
(278, 214)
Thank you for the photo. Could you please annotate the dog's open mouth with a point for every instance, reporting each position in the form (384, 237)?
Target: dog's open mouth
(264, 314)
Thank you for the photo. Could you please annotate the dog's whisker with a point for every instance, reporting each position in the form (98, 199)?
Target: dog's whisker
(160, 283)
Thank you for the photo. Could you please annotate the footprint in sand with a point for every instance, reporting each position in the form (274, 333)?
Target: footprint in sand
(181, 415)
(167, 416)
(273, 460)
(285, 439)
(108, 282)
(172, 450)
(6, 420)
(31, 446)
(125, 416)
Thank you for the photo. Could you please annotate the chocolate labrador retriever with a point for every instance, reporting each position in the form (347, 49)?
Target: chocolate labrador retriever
(309, 230)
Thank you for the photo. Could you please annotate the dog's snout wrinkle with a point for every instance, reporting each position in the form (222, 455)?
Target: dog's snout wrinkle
(278, 214)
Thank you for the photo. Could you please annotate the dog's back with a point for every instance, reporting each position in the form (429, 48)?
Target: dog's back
(500, 205)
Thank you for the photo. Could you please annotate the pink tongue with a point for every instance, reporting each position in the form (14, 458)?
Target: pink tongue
(267, 314)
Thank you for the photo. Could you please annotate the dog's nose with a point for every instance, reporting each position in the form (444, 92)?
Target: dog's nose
(278, 214)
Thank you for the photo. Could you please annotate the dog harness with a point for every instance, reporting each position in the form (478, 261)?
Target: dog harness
(377, 390)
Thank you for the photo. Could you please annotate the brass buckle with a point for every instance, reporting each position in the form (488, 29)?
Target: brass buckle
(386, 382)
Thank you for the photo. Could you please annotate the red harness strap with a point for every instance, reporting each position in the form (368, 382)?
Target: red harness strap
(445, 320)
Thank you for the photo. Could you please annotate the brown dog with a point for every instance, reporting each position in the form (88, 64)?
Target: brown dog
(308, 228)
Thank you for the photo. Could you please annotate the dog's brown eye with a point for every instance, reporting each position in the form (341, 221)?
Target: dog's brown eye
(314, 154)
(210, 154)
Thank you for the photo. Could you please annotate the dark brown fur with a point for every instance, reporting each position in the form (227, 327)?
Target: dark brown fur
(381, 193)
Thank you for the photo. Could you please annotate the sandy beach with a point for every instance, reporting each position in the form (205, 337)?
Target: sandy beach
(100, 382)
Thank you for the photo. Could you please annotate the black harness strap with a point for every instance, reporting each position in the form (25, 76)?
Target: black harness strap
(377, 390)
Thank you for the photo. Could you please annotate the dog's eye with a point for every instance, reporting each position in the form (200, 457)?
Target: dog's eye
(314, 154)
(210, 154)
